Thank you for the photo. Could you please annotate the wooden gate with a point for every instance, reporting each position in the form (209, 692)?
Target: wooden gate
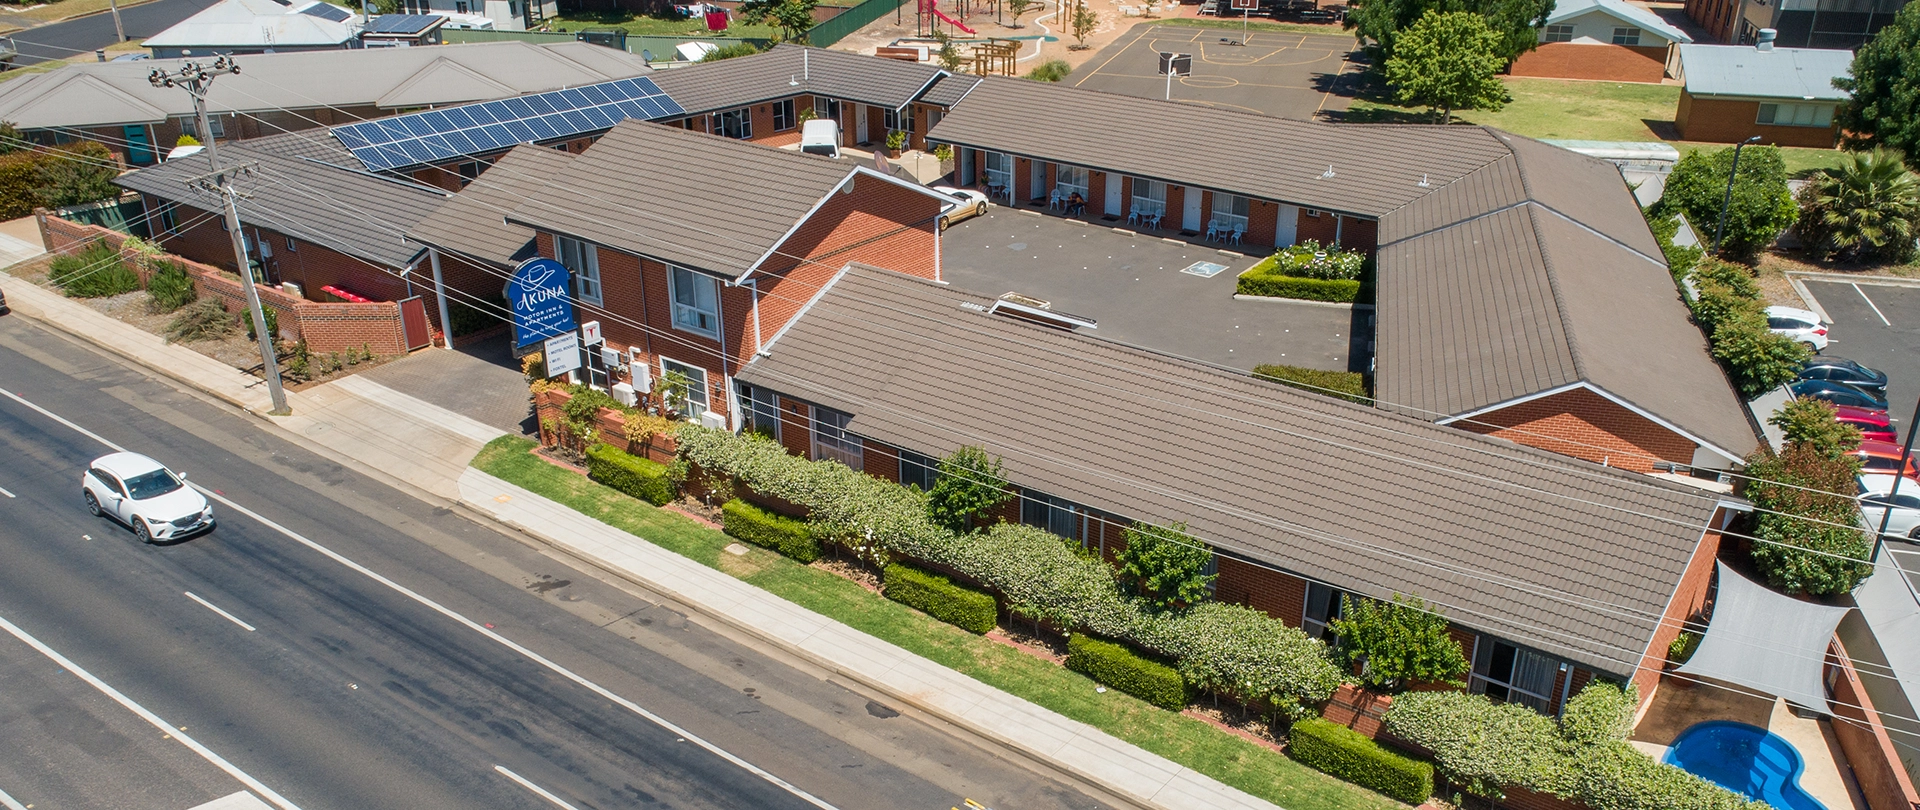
(413, 322)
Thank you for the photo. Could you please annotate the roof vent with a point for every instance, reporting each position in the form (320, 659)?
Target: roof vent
(1764, 41)
(1034, 310)
(1424, 183)
(1328, 174)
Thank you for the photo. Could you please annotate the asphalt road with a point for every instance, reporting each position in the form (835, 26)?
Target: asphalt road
(338, 691)
(77, 36)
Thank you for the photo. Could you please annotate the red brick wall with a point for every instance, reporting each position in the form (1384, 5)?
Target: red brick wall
(1722, 121)
(1278, 595)
(880, 461)
(1097, 196)
(309, 265)
(1583, 424)
(1690, 597)
(796, 427)
(1320, 229)
(1357, 709)
(1176, 207)
(1714, 15)
(466, 280)
(1613, 63)
(1359, 234)
(1870, 751)
(1263, 218)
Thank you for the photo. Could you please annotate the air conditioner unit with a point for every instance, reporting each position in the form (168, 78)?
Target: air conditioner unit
(709, 419)
(642, 378)
(611, 357)
(625, 395)
(292, 289)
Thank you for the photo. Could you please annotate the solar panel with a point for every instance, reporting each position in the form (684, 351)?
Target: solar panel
(437, 135)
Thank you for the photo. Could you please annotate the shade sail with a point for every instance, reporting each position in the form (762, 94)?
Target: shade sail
(1766, 642)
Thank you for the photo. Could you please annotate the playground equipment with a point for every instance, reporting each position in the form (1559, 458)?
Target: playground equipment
(928, 13)
(995, 57)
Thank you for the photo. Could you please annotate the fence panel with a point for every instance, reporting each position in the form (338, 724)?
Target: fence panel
(846, 22)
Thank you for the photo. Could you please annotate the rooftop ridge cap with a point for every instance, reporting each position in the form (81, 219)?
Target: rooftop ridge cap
(1553, 285)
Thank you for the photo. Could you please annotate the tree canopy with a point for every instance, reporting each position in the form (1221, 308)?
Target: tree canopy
(1761, 208)
(1164, 565)
(969, 489)
(1807, 521)
(1516, 23)
(1399, 643)
(1867, 208)
(792, 17)
(1448, 61)
(1885, 85)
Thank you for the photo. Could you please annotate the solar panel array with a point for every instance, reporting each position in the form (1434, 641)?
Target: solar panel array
(433, 136)
(401, 23)
(326, 11)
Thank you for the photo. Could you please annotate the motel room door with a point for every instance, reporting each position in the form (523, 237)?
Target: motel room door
(1115, 205)
(1190, 215)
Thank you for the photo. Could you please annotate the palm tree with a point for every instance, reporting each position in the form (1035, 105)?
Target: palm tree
(1866, 208)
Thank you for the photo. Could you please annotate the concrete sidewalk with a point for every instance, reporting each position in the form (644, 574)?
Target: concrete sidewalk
(400, 438)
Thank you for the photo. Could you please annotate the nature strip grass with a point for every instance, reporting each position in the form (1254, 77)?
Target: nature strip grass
(1207, 750)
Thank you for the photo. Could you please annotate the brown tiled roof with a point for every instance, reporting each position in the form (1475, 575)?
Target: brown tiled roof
(1533, 273)
(950, 89)
(1376, 167)
(693, 199)
(1561, 555)
(474, 223)
(789, 70)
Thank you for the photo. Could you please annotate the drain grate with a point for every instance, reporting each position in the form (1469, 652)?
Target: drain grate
(1204, 269)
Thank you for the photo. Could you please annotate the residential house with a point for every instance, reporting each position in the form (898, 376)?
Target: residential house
(1836, 24)
(402, 30)
(500, 15)
(1783, 95)
(1608, 40)
(259, 26)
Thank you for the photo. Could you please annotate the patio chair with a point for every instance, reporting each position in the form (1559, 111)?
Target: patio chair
(1056, 200)
(1213, 230)
(1134, 216)
(1153, 221)
(1238, 231)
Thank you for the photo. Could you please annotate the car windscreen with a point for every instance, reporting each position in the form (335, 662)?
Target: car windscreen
(148, 485)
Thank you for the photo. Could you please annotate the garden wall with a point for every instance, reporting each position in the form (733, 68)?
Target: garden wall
(1862, 737)
(325, 327)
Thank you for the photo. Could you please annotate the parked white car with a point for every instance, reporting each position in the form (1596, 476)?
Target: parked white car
(1905, 522)
(1802, 325)
(146, 496)
(969, 204)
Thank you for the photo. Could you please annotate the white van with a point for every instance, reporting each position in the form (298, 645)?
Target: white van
(820, 136)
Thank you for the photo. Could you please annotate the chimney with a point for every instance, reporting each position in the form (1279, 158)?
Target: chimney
(1764, 42)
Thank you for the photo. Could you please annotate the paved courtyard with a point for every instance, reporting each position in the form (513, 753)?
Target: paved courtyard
(478, 381)
(1284, 74)
(1132, 285)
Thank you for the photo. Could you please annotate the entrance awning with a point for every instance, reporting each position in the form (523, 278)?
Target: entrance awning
(1766, 642)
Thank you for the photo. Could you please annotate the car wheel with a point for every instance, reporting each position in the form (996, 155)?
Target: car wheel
(980, 210)
(1914, 535)
(93, 504)
(140, 530)
(943, 223)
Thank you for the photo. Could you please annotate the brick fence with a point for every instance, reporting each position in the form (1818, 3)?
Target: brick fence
(325, 327)
(1857, 727)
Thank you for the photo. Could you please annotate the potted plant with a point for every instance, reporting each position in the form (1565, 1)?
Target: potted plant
(896, 140)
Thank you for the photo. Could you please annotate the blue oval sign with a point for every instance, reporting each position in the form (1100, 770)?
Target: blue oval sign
(541, 296)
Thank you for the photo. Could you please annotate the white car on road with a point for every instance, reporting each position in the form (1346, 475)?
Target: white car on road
(1905, 522)
(146, 496)
(1802, 325)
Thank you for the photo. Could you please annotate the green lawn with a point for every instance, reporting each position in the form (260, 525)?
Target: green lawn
(639, 25)
(1207, 750)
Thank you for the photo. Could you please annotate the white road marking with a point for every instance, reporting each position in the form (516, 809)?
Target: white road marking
(463, 620)
(1876, 308)
(10, 803)
(154, 719)
(3, 491)
(209, 605)
(537, 790)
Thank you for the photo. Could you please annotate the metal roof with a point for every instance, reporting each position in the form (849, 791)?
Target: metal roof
(697, 200)
(404, 24)
(1557, 554)
(473, 223)
(96, 94)
(1374, 168)
(255, 24)
(790, 70)
(353, 212)
(1564, 10)
(1783, 73)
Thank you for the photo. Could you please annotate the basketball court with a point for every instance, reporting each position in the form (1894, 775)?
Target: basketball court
(1276, 73)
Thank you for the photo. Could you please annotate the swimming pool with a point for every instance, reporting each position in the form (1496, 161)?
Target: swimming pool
(1745, 759)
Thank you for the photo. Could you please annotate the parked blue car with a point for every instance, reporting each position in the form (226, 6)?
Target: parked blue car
(1842, 370)
(1838, 394)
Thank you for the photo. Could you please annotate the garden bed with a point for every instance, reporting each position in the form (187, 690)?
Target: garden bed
(1310, 272)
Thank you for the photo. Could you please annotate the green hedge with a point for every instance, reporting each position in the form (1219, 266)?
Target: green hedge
(937, 596)
(1340, 751)
(762, 528)
(1121, 668)
(1306, 289)
(1348, 385)
(642, 478)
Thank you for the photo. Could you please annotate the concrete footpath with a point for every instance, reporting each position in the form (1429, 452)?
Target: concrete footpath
(413, 443)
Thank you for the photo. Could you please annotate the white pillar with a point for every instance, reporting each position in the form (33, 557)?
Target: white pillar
(440, 292)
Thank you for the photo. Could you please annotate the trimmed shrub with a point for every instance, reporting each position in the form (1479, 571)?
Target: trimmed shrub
(169, 288)
(1483, 746)
(642, 478)
(1121, 668)
(1052, 70)
(19, 183)
(1348, 385)
(1310, 259)
(1600, 713)
(205, 319)
(1615, 776)
(1273, 285)
(97, 272)
(1342, 752)
(790, 537)
(963, 607)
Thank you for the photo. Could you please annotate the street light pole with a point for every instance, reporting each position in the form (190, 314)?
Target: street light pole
(195, 80)
(1728, 201)
(1899, 474)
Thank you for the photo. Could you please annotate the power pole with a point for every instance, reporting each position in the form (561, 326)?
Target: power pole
(195, 80)
(119, 31)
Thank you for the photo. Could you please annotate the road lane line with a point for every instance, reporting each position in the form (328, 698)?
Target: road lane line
(10, 803)
(1876, 308)
(443, 610)
(154, 719)
(537, 790)
(209, 605)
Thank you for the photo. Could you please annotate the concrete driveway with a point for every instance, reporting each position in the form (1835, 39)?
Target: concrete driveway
(1133, 285)
(1284, 74)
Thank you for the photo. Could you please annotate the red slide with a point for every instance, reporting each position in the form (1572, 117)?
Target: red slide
(928, 6)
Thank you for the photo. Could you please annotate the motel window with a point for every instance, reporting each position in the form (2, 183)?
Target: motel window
(461, 7)
(169, 221)
(1323, 607)
(1626, 36)
(762, 411)
(1796, 115)
(1053, 514)
(217, 125)
(783, 115)
(696, 301)
(899, 119)
(1069, 179)
(290, 247)
(999, 169)
(584, 260)
(1149, 197)
(737, 124)
(826, 108)
(691, 398)
(1512, 674)
(917, 470)
(1230, 210)
(1312, 212)
(189, 125)
(831, 439)
(1558, 33)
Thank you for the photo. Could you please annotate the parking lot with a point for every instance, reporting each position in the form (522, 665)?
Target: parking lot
(1879, 326)
(1284, 74)
(1134, 287)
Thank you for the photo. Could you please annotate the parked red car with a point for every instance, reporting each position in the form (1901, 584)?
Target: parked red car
(1873, 425)
(1883, 457)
